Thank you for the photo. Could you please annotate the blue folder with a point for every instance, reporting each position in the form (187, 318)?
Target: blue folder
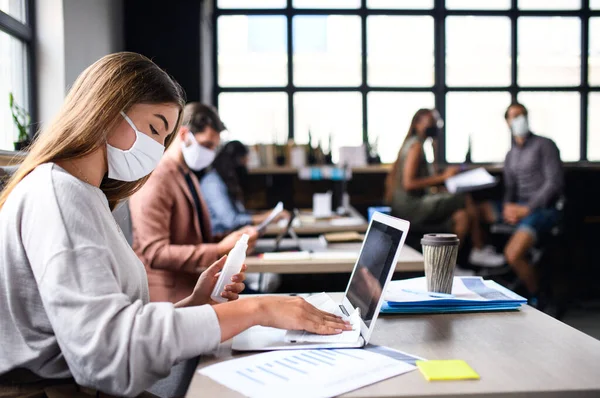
(493, 297)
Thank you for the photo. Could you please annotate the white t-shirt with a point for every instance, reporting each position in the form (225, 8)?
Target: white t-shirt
(74, 296)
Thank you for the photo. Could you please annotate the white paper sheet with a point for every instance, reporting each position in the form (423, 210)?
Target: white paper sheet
(305, 373)
(407, 291)
(470, 180)
(274, 213)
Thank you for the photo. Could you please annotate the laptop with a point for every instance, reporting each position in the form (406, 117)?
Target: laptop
(361, 302)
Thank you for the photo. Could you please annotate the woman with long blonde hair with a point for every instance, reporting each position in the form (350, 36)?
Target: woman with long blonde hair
(73, 295)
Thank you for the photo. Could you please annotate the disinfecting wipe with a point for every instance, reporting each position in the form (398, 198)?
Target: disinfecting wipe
(233, 265)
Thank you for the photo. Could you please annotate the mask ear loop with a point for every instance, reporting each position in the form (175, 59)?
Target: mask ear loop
(129, 121)
(135, 130)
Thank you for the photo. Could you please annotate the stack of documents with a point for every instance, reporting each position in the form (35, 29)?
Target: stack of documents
(470, 181)
(469, 294)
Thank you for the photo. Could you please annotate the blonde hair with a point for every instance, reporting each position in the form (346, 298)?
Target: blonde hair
(91, 110)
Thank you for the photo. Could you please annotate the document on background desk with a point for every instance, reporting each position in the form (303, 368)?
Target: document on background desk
(471, 180)
(306, 373)
(274, 213)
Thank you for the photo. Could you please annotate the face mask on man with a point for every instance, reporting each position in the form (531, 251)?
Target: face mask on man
(195, 155)
(519, 126)
(136, 162)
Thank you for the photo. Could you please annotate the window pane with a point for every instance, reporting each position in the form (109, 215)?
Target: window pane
(338, 115)
(593, 144)
(255, 118)
(326, 3)
(14, 8)
(13, 78)
(479, 116)
(252, 51)
(478, 4)
(478, 51)
(394, 62)
(594, 52)
(401, 5)
(555, 115)
(327, 50)
(389, 119)
(549, 4)
(595, 4)
(251, 4)
(549, 51)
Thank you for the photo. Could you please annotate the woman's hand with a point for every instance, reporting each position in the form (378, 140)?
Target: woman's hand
(450, 171)
(207, 281)
(282, 312)
(295, 313)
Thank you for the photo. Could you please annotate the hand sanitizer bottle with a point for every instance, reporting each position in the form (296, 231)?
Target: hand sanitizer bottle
(233, 265)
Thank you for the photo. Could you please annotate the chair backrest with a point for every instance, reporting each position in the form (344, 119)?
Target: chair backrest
(123, 218)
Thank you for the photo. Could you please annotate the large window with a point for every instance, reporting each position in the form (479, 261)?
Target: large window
(351, 71)
(15, 64)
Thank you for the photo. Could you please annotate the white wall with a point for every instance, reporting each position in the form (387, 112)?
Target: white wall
(93, 28)
(71, 35)
(50, 57)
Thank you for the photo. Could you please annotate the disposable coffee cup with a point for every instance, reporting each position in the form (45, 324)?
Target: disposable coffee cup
(440, 252)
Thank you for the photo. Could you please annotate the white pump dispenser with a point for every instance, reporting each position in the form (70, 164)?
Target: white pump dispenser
(233, 265)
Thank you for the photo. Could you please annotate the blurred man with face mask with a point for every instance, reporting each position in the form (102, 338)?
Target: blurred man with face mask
(533, 179)
(172, 232)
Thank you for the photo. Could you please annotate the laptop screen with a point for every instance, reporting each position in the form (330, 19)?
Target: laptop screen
(376, 257)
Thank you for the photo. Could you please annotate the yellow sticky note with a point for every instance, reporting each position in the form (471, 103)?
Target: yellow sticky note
(446, 370)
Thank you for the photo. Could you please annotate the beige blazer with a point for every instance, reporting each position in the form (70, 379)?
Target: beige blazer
(168, 236)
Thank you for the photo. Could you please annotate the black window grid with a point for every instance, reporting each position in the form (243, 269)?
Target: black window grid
(25, 33)
(439, 13)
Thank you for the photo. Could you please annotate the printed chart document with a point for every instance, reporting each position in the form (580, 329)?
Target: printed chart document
(274, 213)
(306, 373)
(471, 180)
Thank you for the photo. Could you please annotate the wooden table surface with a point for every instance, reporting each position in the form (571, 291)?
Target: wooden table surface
(410, 260)
(356, 223)
(517, 354)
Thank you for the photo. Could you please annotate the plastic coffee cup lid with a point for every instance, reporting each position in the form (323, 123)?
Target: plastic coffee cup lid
(440, 240)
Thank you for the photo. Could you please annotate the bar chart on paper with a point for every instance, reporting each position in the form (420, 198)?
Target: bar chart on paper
(306, 373)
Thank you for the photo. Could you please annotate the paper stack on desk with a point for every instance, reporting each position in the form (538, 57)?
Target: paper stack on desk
(469, 294)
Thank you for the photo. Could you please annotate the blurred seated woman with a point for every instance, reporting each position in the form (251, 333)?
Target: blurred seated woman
(410, 191)
(223, 192)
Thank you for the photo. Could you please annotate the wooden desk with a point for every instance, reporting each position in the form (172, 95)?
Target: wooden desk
(319, 227)
(410, 259)
(517, 354)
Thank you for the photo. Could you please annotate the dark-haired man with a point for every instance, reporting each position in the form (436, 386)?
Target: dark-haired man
(533, 179)
(172, 233)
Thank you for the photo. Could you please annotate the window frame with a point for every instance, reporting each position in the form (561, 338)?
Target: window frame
(25, 33)
(440, 88)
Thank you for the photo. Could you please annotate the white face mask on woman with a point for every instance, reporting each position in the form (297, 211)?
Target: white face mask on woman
(519, 126)
(136, 162)
(195, 155)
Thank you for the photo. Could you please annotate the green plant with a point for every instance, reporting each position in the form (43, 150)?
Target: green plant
(20, 117)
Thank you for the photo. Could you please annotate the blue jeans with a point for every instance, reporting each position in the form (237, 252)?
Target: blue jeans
(538, 223)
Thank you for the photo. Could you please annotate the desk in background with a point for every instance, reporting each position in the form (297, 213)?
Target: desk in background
(410, 260)
(353, 222)
(517, 354)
